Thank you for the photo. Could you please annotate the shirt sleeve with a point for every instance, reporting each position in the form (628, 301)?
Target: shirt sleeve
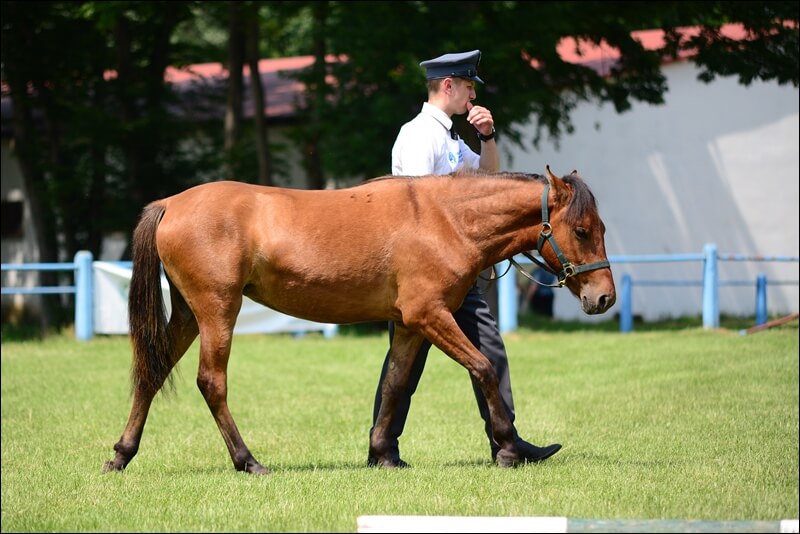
(471, 159)
(413, 153)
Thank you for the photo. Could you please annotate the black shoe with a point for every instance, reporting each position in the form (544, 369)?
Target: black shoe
(399, 463)
(530, 453)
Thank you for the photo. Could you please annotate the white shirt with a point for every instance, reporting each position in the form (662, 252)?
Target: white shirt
(424, 146)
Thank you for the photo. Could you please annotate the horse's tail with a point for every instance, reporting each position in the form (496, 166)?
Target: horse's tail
(151, 339)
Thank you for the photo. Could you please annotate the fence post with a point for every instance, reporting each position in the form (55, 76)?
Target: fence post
(84, 295)
(761, 299)
(626, 310)
(329, 331)
(710, 288)
(507, 302)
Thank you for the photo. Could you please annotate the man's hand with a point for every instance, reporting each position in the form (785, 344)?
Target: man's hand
(480, 118)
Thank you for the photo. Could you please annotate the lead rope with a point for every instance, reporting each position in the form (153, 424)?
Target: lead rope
(546, 222)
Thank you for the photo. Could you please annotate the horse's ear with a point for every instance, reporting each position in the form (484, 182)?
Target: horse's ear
(562, 191)
(574, 172)
(550, 174)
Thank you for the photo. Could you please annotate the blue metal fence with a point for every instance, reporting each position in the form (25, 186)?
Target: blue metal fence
(508, 302)
(83, 288)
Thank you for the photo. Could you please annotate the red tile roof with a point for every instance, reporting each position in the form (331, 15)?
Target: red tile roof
(283, 92)
(602, 57)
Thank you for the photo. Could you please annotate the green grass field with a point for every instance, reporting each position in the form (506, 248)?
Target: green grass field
(670, 424)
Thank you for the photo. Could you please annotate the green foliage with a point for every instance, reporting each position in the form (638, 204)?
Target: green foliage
(102, 144)
(382, 85)
(99, 146)
(681, 424)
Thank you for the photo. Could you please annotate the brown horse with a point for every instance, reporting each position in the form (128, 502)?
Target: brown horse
(393, 248)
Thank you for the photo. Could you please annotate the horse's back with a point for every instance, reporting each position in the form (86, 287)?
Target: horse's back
(318, 221)
(329, 255)
(289, 249)
(354, 225)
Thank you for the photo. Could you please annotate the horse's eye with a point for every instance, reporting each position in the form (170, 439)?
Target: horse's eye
(581, 233)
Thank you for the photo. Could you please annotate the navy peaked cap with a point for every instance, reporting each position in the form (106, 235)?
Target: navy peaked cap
(461, 65)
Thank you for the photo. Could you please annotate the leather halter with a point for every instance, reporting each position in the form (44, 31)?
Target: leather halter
(568, 269)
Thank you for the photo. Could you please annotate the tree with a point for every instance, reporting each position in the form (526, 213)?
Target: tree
(141, 39)
(233, 108)
(318, 93)
(380, 84)
(96, 147)
(253, 55)
(55, 114)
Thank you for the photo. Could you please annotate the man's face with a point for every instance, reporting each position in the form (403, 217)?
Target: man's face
(461, 93)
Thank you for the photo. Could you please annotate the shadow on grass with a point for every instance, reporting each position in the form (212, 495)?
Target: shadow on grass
(526, 321)
(541, 323)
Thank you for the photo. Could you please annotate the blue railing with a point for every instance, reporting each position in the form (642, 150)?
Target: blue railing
(508, 301)
(83, 288)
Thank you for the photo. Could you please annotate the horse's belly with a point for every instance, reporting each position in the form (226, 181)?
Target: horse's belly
(338, 303)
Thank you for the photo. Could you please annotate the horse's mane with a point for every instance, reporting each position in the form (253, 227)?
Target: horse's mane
(582, 200)
(463, 173)
(581, 203)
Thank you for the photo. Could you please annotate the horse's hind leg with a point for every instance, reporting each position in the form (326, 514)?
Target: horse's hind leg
(216, 332)
(183, 330)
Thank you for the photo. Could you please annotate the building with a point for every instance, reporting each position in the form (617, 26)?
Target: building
(717, 163)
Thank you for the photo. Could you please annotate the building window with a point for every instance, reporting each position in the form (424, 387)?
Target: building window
(12, 211)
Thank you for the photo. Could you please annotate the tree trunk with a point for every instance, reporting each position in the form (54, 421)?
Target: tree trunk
(259, 99)
(145, 140)
(97, 185)
(29, 152)
(313, 145)
(128, 110)
(233, 108)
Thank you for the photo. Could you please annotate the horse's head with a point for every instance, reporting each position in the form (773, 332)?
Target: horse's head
(572, 242)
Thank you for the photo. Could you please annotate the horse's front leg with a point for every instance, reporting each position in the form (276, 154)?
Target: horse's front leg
(404, 348)
(442, 330)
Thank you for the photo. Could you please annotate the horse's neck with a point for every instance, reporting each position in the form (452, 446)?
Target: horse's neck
(501, 216)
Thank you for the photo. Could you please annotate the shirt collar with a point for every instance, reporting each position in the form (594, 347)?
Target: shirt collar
(438, 114)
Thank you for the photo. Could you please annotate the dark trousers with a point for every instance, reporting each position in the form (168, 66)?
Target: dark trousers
(476, 321)
(543, 305)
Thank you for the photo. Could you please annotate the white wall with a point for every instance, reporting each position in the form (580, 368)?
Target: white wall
(13, 249)
(717, 163)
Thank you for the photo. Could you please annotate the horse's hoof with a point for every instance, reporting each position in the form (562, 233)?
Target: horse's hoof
(253, 467)
(506, 459)
(392, 463)
(258, 469)
(111, 466)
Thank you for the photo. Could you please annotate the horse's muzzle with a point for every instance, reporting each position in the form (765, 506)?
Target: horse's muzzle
(597, 304)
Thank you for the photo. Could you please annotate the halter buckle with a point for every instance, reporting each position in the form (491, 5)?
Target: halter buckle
(567, 271)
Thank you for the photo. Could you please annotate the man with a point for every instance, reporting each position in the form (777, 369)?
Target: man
(428, 144)
(540, 295)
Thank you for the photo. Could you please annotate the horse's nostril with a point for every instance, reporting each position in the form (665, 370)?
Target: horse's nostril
(606, 301)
